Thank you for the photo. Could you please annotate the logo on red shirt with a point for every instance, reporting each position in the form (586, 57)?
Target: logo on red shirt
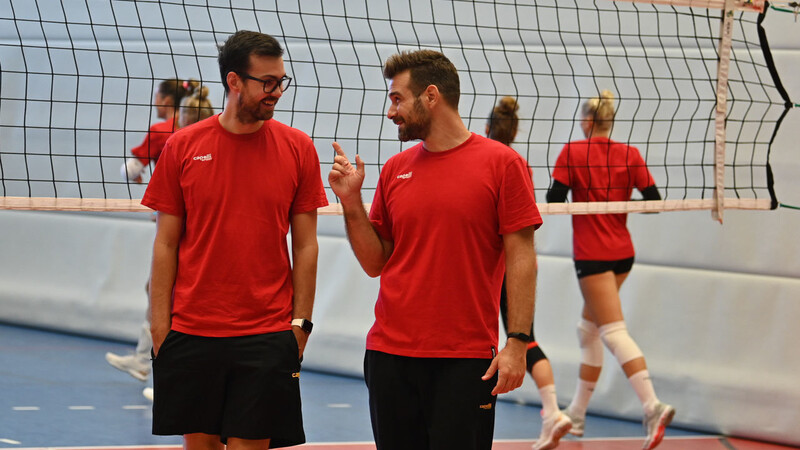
(404, 176)
(203, 158)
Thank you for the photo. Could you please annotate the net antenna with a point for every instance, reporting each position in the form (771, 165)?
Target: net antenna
(696, 88)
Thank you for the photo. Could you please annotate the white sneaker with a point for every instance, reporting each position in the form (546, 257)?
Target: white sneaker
(148, 393)
(129, 364)
(656, 423)
(578, 423)
(553, 430)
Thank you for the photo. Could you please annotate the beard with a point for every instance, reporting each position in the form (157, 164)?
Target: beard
(251, 110)
(416, 126)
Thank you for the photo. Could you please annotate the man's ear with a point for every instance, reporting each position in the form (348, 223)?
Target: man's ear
(432, 96)
(234, 82)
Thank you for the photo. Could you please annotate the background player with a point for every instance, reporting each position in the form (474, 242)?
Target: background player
(600, 169)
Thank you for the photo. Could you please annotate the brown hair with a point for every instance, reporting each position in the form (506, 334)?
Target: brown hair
(195, 106)
(601, 110)
(427, 67)
(503, 121)
(173, 89)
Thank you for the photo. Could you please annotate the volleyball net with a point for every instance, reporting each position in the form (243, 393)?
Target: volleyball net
(696, 88)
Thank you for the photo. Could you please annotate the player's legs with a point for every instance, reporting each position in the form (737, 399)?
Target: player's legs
(202, 441)
(459, 405)
(395, 402)
(602, 306)
(247, 444)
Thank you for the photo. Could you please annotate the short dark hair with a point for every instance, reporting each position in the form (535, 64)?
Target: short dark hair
(234, 54)
(427, 67)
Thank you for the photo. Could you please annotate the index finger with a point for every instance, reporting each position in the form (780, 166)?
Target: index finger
(338, 149)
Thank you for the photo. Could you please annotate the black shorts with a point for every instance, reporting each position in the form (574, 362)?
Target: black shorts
(586, 268)
(430, 403)
(245, 387)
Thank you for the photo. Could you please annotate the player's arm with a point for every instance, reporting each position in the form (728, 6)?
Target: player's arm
(651, 193)
(162, 275)
(557, 192)
(305, 250)
(370, 249)
(521, 272)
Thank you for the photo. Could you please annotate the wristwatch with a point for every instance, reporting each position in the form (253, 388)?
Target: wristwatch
(304, 325)
(521, 336)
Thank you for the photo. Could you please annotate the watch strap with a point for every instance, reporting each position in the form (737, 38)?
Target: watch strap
(521, 336)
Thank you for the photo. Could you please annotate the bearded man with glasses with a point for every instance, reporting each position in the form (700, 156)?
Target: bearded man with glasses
(231, 314)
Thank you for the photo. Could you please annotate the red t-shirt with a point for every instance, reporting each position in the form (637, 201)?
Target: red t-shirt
(237, 194)
(446, 214)
(601, 170)
(153, 144)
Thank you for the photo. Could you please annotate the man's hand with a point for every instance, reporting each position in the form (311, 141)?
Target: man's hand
(158, 334)
(346, 179)
(302, 339)
(510, 363)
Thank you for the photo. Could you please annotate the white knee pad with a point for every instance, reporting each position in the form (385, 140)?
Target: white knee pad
(591, 345)
(619, 342)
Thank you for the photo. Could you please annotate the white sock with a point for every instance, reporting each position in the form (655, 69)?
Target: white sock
(580, 401)
(549, 401)
(643, 385)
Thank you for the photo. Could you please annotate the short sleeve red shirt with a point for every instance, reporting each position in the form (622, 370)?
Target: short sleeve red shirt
(446, 214)
(237, 194)
(153, 144)
(601, 170)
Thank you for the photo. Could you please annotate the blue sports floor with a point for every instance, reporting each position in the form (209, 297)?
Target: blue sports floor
(57, 390)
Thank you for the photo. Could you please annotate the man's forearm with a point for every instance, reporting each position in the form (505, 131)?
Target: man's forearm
(162, 281)
(304, 280)
(368, 247)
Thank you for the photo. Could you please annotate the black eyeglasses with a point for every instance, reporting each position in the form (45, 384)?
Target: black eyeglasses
(271, 83)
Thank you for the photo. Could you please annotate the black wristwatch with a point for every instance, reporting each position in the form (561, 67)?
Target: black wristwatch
(304, 325)
(521, 336)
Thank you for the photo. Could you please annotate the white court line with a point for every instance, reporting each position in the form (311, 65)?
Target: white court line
(25, 408)
(10, 441)
(135, 407)
(339, 405)
(81, 408)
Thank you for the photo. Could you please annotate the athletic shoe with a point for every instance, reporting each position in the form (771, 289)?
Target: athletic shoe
(553, 430)
(578, 423)
(656, 423)
(129, 364)
(148, 393)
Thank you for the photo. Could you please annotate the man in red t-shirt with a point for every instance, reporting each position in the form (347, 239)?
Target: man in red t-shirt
(449, 217)
(230, 313)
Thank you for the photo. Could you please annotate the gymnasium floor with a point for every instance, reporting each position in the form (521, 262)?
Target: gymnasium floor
(57, 391)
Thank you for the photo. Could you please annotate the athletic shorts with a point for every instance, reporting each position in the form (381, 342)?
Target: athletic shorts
(430, 403)
(245, 387)
(586, 268)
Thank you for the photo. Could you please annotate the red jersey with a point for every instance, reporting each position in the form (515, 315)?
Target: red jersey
(236, 194)
(446, 213)
(601, 170)
(153, 144)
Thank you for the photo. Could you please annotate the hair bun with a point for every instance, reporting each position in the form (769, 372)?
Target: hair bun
(507, 106)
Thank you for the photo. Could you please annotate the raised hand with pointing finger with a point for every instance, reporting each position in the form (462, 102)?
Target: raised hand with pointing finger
(345, 178)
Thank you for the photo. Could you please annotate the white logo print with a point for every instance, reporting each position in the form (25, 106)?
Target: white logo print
(203, 158)
(404, 176)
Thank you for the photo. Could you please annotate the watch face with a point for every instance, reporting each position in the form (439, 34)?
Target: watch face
(307, 326)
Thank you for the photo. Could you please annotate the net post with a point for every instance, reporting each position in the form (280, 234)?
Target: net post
(723, 67)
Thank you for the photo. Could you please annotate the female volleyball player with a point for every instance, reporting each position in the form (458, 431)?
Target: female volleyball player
(599, 169)
(167, 99)
(502, 126)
